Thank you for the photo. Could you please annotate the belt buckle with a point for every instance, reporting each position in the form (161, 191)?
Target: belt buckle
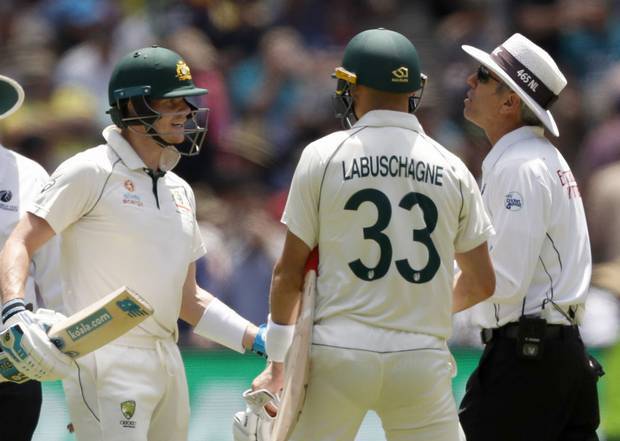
(486, 335)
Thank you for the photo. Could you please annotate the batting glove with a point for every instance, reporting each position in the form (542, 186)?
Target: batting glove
(255, 423)
(27, 345)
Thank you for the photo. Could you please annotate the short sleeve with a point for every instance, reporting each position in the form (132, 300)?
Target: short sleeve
(474, 224)
(520, 204)
(301, 210)
(69, 194)
(198, 247)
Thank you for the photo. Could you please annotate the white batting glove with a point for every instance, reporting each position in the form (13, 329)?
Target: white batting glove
(8, 371)
(255, 423)
(27, 345)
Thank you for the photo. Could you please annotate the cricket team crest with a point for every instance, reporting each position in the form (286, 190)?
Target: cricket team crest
(183, 72)
(128, 409)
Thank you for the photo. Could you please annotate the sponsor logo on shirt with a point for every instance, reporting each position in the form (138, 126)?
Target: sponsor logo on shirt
(129, 185)
(6, 196)
(180, 201)
(128, 408)
(569, 182)
(514, 201)
(132, 199)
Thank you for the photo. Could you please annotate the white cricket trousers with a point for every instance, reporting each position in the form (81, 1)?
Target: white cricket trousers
(411, 392)
(134, 389)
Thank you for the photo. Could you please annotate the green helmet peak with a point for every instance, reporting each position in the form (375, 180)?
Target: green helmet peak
(381, 59)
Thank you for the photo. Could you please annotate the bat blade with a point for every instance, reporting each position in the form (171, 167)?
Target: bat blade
(297, 363)
(100, 323)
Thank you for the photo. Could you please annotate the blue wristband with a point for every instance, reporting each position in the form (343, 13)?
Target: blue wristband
(258, 347)
(11, 308)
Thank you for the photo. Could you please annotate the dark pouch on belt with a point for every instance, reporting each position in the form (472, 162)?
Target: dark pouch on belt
(531, 338)
(595, 366)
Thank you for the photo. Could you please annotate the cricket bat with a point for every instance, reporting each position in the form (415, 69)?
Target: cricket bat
(97, 324)
(88, 329)
(297, 362)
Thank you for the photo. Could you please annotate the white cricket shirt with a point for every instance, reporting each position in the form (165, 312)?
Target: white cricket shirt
(21, 179)
(541, 252)
(114, 233)
(388, 207)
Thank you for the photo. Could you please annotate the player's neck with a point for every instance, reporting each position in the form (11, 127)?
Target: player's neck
(146, 148)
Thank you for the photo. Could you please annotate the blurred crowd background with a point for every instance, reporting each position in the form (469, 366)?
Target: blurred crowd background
(267, 66)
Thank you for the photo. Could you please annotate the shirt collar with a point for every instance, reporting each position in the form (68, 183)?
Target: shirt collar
(509, 139)
(391, 118)
(123, 149)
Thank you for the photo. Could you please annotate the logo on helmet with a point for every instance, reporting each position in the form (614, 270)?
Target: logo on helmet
(183, 72)
(400, 75)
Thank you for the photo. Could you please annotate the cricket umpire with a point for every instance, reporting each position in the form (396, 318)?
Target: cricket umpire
(21, 179)
(535, 380)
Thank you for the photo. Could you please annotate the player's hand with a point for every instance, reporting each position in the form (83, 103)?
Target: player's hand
(27, 345)
(272, 380)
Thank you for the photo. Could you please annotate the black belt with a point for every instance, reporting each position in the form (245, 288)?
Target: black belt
(511, 330)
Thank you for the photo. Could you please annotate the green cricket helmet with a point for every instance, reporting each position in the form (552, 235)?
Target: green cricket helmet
(156, 73)
(380, 59)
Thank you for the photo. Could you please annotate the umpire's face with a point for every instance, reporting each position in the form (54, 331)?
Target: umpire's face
(485, 98)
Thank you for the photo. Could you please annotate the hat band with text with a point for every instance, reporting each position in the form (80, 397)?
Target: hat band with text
(529, 82)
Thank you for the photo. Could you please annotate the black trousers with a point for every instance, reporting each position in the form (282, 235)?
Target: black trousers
(20, 405)
(509, 398)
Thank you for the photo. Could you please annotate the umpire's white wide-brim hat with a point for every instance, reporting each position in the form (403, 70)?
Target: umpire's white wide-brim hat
(529, 71)
(11, 96)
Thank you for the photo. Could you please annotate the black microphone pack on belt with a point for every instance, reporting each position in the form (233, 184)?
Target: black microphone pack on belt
(531, 337)
(530, 333)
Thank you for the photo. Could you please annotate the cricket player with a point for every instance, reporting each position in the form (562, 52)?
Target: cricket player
(21, 179)
(389, 209)
(126, 219)
(534, 380)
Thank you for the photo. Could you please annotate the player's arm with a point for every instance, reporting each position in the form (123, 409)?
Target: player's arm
(476, 281)
(214, 320)
(29, 235)
(285, 296)
(26, 341)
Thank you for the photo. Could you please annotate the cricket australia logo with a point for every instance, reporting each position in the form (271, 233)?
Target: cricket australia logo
(183, 72)
(514, 201)
(128, 408)
(400, 75)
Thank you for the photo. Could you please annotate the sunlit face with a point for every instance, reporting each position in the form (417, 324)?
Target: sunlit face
(171, 125)
(483, 101)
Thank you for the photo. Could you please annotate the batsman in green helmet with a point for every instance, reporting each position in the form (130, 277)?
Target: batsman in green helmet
(143, 86)
(389, 210)
(125, 219)
(382, 60)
